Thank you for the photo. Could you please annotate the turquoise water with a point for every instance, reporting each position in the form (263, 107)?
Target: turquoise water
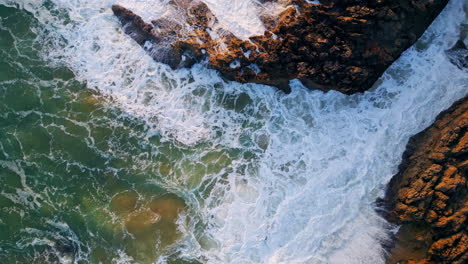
(109, 157)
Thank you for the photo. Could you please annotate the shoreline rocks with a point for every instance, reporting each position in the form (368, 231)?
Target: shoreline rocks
(342, 45)
(429, 195)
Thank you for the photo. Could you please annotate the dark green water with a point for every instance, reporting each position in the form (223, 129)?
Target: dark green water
(137, 163)
(80, 182)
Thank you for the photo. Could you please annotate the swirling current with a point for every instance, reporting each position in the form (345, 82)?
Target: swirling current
(109, 157)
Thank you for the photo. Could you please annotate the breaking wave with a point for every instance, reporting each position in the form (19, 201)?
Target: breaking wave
(320, 160)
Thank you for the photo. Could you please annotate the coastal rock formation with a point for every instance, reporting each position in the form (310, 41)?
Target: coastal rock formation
(342, 45)
(429, 195)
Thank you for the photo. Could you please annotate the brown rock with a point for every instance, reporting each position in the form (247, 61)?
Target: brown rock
(430, 189)
(342, 45)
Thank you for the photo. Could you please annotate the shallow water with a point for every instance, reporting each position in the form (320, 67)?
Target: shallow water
(107, 156)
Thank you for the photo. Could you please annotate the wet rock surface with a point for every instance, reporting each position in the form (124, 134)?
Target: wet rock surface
(342, 45)
(429, 195)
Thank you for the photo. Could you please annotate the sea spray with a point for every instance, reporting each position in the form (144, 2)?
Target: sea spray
(311, 163)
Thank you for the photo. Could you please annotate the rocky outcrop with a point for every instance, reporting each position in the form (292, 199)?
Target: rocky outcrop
(342, 45)
(429, 195)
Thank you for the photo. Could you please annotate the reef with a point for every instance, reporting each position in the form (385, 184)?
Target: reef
(428, 197)
(342, 45)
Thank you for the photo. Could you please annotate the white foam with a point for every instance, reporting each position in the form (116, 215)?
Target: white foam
(308, 197)
(227, 13)
(240, 17)
(329, 158)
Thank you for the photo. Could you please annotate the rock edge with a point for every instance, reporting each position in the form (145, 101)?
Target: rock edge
(342, 45)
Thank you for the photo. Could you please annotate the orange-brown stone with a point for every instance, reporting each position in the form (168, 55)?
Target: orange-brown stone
(431, 190)
(342, 45)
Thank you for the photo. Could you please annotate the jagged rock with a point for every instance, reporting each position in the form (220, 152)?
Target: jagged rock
(342, 45)
(430, 191)
(458, 55)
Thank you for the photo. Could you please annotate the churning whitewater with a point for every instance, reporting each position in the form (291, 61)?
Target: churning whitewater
(320, 160)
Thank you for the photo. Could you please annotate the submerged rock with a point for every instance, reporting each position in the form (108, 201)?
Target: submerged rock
(429, 195)
(124, 202)
(156, 219)
(342, 45)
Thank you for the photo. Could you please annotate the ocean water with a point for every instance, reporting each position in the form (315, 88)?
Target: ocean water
(109, 157)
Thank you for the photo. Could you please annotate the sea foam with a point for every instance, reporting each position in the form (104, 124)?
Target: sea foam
(324, 157)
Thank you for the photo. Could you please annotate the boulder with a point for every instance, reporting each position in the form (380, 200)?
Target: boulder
(429, 194)
(342, 45)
